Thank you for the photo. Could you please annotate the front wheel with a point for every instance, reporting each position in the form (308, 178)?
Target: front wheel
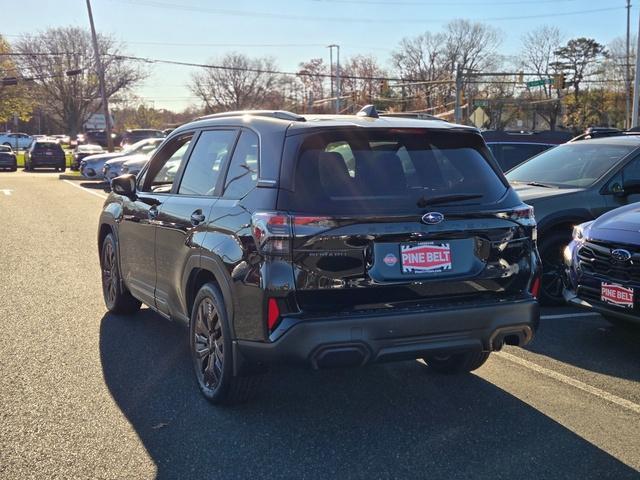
(210, 345)
(552, 255)
(116, 297)
(457, 362)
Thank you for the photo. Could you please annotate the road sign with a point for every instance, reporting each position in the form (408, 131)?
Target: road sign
(540, 83)
(480, 102)
(479, 117)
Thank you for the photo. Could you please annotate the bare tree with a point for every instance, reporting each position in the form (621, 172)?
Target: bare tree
(312, 76)
(539, 57)
(367, 69)
(71, 100)
(242, 83)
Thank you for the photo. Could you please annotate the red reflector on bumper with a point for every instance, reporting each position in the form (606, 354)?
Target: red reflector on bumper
(273, 313)
(535, 287)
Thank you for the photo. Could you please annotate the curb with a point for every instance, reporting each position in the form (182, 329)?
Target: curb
(66, 176)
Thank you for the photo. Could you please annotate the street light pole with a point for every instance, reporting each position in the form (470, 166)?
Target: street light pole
(636, 83)
(338, 89)
(627, 69)
(100, 71)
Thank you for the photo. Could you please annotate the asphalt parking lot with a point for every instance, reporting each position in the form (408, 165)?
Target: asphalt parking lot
(85, 394)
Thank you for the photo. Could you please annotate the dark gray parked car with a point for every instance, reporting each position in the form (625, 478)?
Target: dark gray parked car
(8, 158)
(574, 183)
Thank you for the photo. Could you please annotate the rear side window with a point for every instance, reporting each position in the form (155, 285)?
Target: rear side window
(242, 176)
(390, 171)
(205, 162)
(514, 154)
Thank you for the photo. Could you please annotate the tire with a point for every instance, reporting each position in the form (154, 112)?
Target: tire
(210, 348)
(116, 297)
(458, 362)
(13, 169)
(551, 252)
(62, 169)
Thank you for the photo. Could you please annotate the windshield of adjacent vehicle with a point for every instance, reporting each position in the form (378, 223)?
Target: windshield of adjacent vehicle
(570, 165)
(392, 171)
(143, 146)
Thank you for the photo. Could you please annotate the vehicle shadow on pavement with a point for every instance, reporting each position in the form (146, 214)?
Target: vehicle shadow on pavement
(590, 343)
(383, 421)
(104, 186)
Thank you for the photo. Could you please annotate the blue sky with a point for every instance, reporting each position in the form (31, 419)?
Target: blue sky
(261, 28)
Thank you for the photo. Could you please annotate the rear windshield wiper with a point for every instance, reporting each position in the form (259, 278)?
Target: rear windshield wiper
(423, 201)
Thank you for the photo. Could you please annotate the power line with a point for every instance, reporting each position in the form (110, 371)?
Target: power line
(447, 4)
(342, 19)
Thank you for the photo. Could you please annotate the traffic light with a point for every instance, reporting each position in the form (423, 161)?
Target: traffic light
(559, 81)
(384, 86)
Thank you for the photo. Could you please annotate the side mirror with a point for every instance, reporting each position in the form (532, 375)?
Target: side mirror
(125, 185)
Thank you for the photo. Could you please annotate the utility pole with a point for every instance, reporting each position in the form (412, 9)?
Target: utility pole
(636, 85)
(338, 92)
(627, 69)
(457, 112)
(103, 90)
(330, 47)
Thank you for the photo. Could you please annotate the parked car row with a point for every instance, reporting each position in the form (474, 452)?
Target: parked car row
(93, 166)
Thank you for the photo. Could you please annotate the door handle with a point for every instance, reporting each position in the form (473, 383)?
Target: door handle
(153, 213)
(197, 217)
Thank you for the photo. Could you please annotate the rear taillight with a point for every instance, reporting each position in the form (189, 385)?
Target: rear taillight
(522, 214)
(273, 231)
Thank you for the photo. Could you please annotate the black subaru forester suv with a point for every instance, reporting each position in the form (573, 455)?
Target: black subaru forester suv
(328, 240)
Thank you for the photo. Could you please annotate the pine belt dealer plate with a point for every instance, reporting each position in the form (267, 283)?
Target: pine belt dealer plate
(425, 257)
(616, 295)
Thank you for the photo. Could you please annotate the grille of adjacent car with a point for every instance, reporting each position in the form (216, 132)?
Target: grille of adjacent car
(595, 258)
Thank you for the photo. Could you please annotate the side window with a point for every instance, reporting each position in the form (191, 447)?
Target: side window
(630, 172)
(162, 172)
(206, 161)
(243, 171)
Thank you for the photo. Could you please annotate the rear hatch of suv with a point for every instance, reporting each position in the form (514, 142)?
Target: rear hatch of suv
(47, 153)
(380, 218)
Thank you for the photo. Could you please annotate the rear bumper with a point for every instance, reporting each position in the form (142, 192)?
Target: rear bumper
(47, 162)
(390, 336)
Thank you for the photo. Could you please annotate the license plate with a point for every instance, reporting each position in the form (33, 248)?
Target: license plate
(616, 295)
(427, 257)
(48, 153)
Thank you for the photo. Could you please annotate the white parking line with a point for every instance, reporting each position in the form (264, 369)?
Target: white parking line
(101, 195)
(624, 403)
(6, 191)
(570, 315)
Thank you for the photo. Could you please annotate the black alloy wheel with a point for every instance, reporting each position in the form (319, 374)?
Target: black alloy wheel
(116, 297)
(552, 255)
(208, 347)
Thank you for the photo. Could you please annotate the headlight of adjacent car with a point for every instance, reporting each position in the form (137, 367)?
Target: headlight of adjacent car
(579, 231)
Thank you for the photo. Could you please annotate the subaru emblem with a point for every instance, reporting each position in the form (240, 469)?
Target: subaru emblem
(620, 255)
(432, 218)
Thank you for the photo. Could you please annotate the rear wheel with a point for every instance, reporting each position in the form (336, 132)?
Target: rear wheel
(457, 362)
(116, 297)
(552, 255)
(210, 344)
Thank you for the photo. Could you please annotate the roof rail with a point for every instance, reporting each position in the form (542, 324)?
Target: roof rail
(416, 115)
(281, 114)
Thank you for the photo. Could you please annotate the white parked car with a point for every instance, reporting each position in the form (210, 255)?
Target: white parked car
(17, 141)
(92, 167)
(114, 168)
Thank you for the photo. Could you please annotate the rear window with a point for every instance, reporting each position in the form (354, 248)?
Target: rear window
(390, 171)
(47, 146)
